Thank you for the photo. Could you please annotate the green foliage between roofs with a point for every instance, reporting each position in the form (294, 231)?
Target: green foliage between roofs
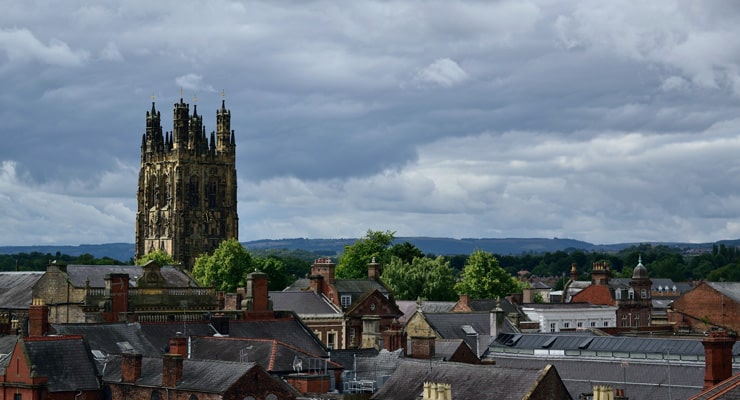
(226, 269)
(425, 278)
(159, 256)
(483, 278)
(353, 262)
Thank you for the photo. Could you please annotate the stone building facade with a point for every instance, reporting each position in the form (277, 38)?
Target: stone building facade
(187, 185)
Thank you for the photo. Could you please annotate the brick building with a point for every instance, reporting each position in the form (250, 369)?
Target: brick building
(367, 305)
(49, 367)
(631, 297)
(709, 305)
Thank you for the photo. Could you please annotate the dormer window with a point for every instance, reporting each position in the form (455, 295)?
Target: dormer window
(631, 294)
(345, 300)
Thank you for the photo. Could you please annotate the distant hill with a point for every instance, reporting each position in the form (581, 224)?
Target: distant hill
(332, 247)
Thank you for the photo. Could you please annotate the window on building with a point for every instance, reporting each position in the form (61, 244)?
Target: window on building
(155, 395)
(193, 397)
(566, 325)
(593, 324)
(17, 396)
(606, 323)
(352, 334)
(345, 300)
(211, 195)
(631, 294)
(331, 340)
(674, 289)
(643, 293)
(618, 294)
(580, 324)
(553, 327)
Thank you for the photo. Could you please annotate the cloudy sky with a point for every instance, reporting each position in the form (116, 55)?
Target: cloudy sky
(606, 122)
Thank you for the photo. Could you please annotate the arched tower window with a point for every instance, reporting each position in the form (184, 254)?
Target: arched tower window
(193, 195)
(211, 194)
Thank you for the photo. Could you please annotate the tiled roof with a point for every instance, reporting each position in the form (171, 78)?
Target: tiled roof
(78, 274)
(303, 302)
(468, 381)
(729, 389)
(67, 362)
(272, 355)
(208, 376)
(111, 338)
(595, 294)
(16, 288)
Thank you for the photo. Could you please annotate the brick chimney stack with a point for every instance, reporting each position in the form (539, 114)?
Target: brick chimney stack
(117, 285)
(130, 367)
(373, 270)
(718, 358)
(422, 347)
(171, 370)
(38, 318)
(324, 267)
(179, 345)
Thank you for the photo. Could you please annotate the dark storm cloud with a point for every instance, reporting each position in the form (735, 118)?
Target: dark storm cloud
(602, 122)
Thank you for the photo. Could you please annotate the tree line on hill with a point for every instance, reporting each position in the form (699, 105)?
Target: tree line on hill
(412, 274)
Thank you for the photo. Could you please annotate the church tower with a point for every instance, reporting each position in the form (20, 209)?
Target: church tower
(187, 185)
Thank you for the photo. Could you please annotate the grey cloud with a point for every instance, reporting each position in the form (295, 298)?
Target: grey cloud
(599, 121)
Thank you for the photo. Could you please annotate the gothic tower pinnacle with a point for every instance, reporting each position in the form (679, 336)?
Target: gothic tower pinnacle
(187, 186)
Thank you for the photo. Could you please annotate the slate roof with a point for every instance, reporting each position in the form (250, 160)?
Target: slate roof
(303, 303)
(66, 361)
(111, 338)
(207, 376)
(608, 346)
(468, 381)
(367, 364)
(272, 355)
(7, 342)
(729, 289)
(16, 288)
(352, 287)
(408, 307)
(639, 379)
(450, 326)
(78, 274)
(287, 330)
(445, 349)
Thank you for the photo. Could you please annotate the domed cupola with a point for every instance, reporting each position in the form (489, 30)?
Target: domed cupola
(640, 271)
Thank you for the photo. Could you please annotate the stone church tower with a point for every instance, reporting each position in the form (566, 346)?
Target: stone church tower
(187, 186)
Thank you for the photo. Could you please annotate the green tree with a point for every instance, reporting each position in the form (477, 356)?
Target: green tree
(406, 252)
(426, 278)
(159, 256)
(226, 269)
(353, 261)
(275, 270)
(483, 278)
